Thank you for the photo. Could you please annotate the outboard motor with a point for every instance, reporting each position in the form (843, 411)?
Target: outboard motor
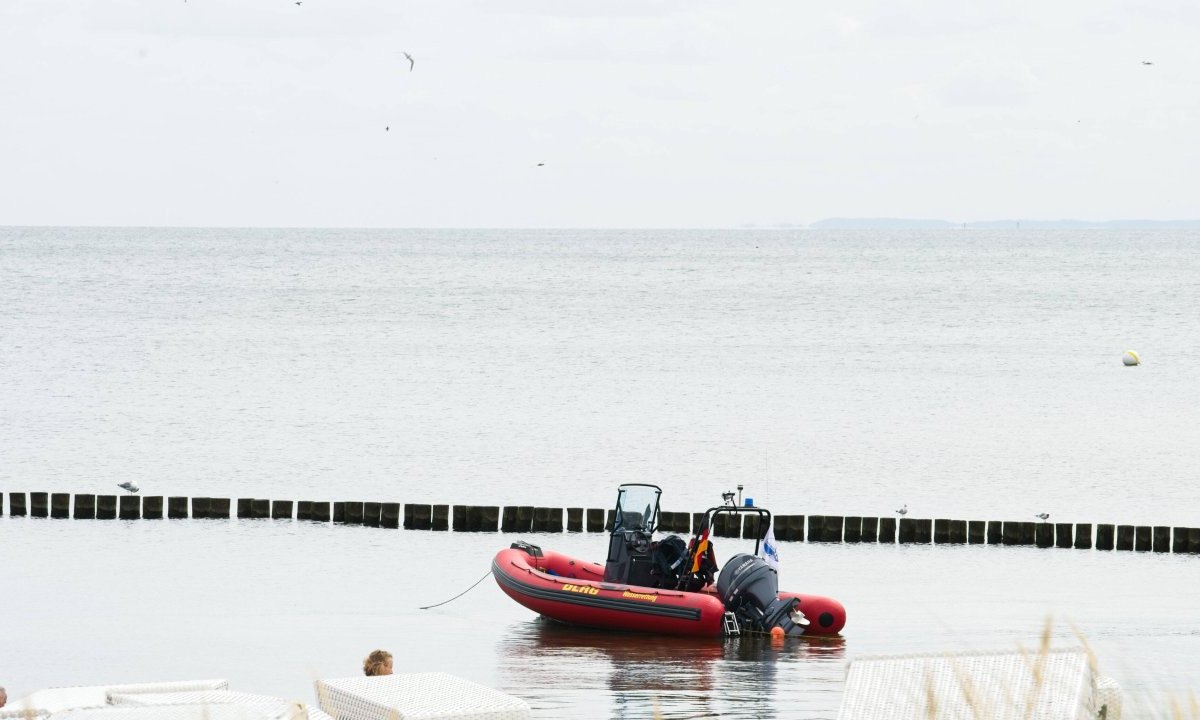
(750, 590)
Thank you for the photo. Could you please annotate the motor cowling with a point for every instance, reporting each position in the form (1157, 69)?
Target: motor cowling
(749, 588)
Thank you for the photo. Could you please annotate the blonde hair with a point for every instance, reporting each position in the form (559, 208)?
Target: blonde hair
(375, 662)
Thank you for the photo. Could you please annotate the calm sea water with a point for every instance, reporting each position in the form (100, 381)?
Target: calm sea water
(968, 374)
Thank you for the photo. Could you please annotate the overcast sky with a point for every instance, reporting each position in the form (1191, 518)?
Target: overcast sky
(646, 114)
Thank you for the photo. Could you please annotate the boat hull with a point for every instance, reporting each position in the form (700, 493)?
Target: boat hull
(573, 591)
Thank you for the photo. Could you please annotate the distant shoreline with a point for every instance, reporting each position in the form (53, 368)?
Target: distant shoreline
(825, 224)
(884, 223)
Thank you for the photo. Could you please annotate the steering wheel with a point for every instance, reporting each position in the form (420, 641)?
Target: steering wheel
(639, 542)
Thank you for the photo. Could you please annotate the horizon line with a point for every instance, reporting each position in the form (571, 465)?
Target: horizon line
(829, 223)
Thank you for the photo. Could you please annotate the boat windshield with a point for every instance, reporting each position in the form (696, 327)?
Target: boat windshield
(637, 508)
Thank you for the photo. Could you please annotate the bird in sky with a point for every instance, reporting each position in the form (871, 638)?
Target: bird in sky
(903, 510)
(1147, 62)
(130, 486)
(1043, 516)
(411, 63)
(387, 128)
(541, 164)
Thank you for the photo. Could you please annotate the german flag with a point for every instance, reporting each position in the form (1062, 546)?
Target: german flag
(699, 547)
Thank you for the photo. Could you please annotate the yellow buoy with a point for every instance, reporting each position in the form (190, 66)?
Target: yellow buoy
(1131, 358)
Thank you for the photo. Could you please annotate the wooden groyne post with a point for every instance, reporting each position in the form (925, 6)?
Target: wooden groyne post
(852, 529)
(85, 507)
(130, 507)
(106, 507)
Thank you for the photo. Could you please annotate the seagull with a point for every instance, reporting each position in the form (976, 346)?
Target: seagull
(130, 486)
(1043, 516)
(903, 510)
(541, 164)
(411, 63)
(1147, 62)
(387, 128)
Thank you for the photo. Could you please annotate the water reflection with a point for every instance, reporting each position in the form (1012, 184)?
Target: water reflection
(562, 669)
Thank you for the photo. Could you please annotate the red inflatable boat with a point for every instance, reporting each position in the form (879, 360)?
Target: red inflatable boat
(662, 587)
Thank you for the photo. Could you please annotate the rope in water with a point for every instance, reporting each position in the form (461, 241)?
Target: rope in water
(464, 592)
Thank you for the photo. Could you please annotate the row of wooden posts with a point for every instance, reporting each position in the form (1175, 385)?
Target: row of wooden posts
(528, 518)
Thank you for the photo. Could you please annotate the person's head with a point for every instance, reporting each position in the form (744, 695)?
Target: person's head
(378, 662)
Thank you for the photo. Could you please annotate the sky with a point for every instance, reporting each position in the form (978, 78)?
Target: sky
(560, 113)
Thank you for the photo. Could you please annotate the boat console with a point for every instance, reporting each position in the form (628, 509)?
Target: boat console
(630, 544)
(635, 558)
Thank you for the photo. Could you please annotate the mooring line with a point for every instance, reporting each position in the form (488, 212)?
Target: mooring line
(464, 592)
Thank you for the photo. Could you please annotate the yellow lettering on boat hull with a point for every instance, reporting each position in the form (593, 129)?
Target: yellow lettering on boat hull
(640, 596)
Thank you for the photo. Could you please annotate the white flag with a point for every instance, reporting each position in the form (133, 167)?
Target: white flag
(769, 551)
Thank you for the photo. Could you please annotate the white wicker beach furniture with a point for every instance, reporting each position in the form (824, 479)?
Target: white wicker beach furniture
(1050, 685)
(416, 696)
(187, 700)
(15, 712)
(168, 687)
(174, 712)
(66, 698)
(277, 708)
